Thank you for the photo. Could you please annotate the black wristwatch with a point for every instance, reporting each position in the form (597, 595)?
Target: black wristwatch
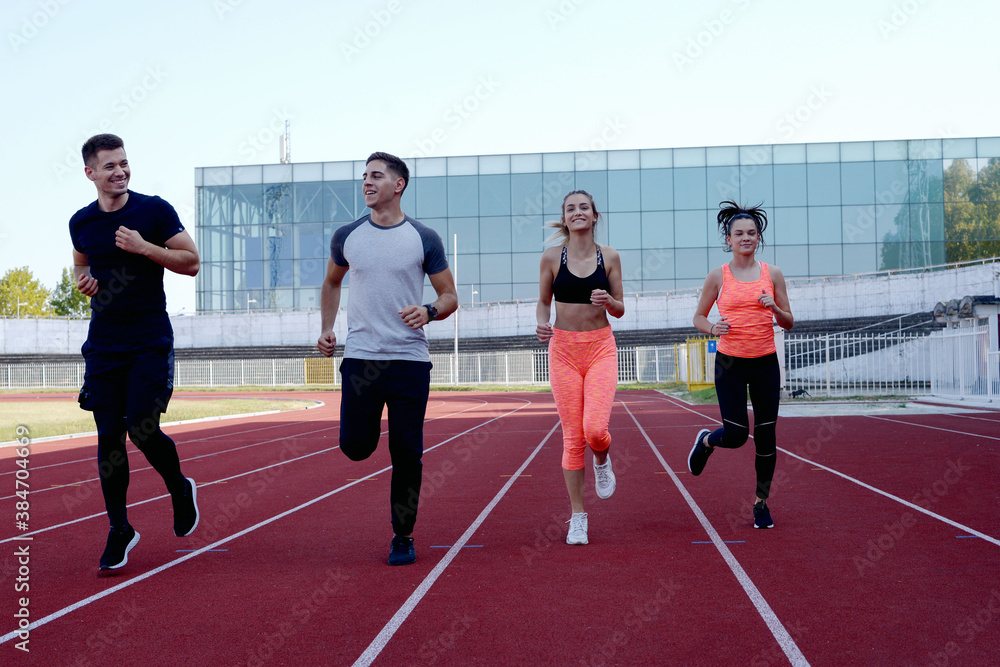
(432, 312)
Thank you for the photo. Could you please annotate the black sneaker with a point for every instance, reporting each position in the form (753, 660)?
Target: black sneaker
(699, 453)
(186, 510)
(120, 542)
(402, 551)
(762, 515)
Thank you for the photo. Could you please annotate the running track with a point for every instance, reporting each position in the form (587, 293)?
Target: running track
(885, 549)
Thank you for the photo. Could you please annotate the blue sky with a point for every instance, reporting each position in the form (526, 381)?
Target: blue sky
(196, 83)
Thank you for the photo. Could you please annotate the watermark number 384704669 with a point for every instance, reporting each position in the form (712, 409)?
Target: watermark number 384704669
(22, 519)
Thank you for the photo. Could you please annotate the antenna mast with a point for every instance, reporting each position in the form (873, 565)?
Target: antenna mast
(285, 144)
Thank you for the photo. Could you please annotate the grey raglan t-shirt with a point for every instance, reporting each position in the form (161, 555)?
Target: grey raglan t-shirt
(387, 268)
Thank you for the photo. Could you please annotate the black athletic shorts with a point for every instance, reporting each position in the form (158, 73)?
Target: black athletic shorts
(133, 380)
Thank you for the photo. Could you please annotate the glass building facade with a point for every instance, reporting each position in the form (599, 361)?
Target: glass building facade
(834, 208)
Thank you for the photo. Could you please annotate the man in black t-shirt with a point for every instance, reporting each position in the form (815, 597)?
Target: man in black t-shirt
(121, 244)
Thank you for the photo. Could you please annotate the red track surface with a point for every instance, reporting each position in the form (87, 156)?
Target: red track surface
(868, 562)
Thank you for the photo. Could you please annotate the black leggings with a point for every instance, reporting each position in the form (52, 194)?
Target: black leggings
(112, 459)
(367, 387)
(733, 376)
(127, 387)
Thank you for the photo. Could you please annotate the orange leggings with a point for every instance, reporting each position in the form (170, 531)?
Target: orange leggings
(583, 370)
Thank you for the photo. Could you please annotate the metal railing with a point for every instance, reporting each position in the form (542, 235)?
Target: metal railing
(963, 363)
(952, 362)
(859, 363)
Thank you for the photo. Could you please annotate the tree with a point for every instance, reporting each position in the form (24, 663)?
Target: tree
(986, 193)
(67, 300)
(19, 286)
(961, 225)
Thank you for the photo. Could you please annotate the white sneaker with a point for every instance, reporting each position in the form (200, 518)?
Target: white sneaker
(604, 479)
(577, 529)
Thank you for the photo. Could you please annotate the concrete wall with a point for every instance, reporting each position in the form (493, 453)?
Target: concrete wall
(811, 299)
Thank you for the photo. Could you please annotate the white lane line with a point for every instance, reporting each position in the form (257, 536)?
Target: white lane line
(918, 508)
(963, 416)
(933, 428)
(777, 629)
(403, 613)
(228, 434)
(913, 506)
(93, 480)
(217, 481)
(54, 439)
(166, 495)
(133, 471)
(125, 584)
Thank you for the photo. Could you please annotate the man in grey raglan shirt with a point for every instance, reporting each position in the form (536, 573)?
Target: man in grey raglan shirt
(386, 357)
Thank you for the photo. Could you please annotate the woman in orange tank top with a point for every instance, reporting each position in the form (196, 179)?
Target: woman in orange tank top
(750, 296)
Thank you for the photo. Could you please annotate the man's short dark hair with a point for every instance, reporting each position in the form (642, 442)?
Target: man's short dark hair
(100, 142)
(395, 165)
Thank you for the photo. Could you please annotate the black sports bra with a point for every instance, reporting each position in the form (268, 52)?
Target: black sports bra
(568, 288)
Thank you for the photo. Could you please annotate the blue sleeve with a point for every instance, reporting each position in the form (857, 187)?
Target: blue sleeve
(435, 259)
(337, 245)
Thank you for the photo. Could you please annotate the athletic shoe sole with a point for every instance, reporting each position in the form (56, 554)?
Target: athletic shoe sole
(131, 545)
(613, 485)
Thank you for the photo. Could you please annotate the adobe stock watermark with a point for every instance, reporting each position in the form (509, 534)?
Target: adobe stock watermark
(590, 153)
(788, 125)
(562, 12)
(223, 7)
(652, 261)
(712, 29)
(437, 648)
(110, 634)
(858, 227)
(34, 23)
(826, 432)
(123, 106)
(364, 35)
(229, 515)
(877, 548)
(117, 458)
(266, 137)
(967, 630)
(775, 655)
(899, 16)
(802, 114)
(554, 530)
(634, 622)
(457, 115)
(435, 479)
(298, 615)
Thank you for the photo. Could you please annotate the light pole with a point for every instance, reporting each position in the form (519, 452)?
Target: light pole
(19, 304)
(474, 293)
(249, 301)
(454, 263)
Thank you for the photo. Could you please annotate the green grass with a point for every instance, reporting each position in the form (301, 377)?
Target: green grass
(701, 397)
(49, 418)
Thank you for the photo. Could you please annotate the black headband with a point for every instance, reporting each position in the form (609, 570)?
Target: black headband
(729, 225)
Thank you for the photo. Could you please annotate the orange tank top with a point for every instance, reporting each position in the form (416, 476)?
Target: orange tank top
(751, 330)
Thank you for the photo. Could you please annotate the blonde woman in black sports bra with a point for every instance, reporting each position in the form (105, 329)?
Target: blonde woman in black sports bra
(586, 281)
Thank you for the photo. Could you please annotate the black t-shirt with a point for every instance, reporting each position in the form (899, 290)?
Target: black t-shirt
(130, 306)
